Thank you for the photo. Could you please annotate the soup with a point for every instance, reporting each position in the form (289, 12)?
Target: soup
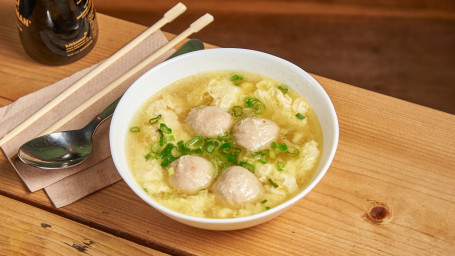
(224, 144)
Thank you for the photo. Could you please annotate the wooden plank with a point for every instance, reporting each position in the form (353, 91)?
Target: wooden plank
(400, 48)
(383, 161)
(27, 230)
(20, 79)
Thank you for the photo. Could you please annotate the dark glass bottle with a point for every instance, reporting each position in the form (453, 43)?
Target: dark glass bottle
(56, 32)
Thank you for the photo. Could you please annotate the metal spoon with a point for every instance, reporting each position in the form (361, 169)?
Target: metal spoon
(63, 149)
(69, 148)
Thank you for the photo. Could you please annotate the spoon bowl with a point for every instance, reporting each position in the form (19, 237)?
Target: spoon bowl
(57, 150)
(63, 149)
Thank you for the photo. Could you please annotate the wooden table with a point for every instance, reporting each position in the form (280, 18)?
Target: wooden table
(390, 189)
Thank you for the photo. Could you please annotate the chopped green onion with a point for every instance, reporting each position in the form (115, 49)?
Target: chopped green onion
(236, 79)
(212, 145)
(155, 147)
(256, 104)
(165, 129)
(267, 207)
(300, 116)
(170, 138)
(264, 201)
(281, 147)
(260, 108)
(296, 152)
(237, 111)
(181, 147)
(273, 183)
(248, 166)
(231, 150)
(167, 160)
(195, 143)
(283, 88)
(167, 150)
(135, 129)
(162, 139)
(231, 157)
(249, 102)
(150, 155)
(280, 166)
(155, 119)
(210, 148)
(225, 136)
(226, 145)
(146, 190)
(169, 196)
(171, 171)
(261, 156)
(272, 154)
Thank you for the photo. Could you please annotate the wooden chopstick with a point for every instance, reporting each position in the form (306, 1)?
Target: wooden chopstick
(168, 17)
(194, 27)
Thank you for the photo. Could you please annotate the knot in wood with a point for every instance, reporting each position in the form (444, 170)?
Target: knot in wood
(378, 213)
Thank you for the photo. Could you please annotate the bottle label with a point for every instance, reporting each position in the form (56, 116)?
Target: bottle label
(86, 40)
(79, 14)
(22, 15)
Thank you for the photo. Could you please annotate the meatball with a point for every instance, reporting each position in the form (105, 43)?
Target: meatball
(238, 185)
(209, 121)
(255, 133)
(191, 173)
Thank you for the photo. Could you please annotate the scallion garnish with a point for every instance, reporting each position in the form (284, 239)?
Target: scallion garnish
(195, 143)
(155, 119)
(256, 104)
(231, 150)
(272, 154)
(225, 136)
(181, 147)
(267, 207)
(283, 88)
(166, 155)
(296, 152)
(248, 166)
(169, 196)
(273, 183)
(171, 171)
(264, 201)
(280, 166)
(226, 145)
(231, 157)
(261, 156)
(249, 102)
(236, 79)
(165, 129)
(300, 116)
(212, 145)
(281, 147)
(135, 129)
(237, 111)
(146, 190)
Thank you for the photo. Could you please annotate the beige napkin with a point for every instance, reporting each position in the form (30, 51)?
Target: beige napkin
(65, 186)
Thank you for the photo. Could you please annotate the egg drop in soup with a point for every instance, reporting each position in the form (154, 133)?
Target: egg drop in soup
(224, 144)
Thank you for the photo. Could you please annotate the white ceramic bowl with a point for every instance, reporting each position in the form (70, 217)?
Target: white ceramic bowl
(222, 59)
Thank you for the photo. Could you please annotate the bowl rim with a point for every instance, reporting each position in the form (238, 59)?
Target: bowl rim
(133, 184)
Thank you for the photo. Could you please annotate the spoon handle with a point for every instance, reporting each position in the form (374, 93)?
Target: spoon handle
(90, 128)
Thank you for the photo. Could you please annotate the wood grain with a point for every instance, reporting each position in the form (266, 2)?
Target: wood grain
(400, 48)
(390, 189)
(27, 230)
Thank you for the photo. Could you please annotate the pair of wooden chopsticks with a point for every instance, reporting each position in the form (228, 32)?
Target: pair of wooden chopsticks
(168, 17)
